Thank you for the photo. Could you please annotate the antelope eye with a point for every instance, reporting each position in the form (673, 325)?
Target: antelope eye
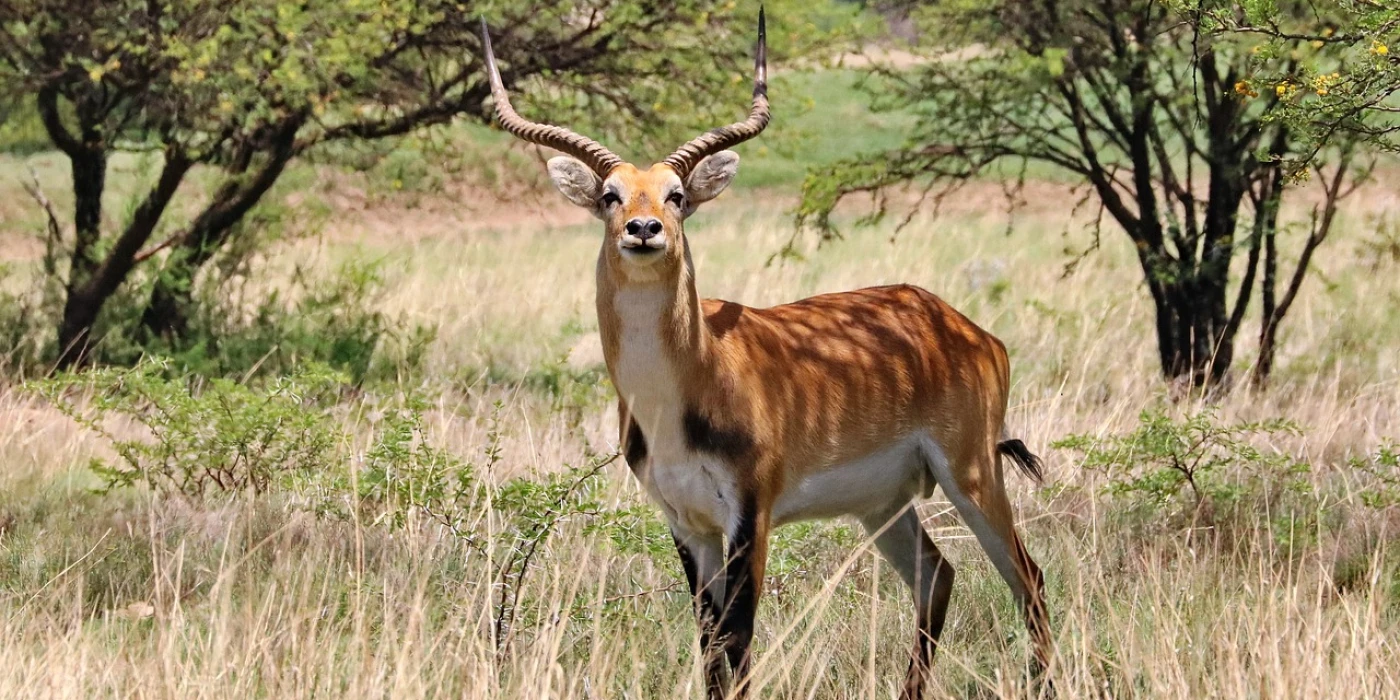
(676, 198)
(610, 198)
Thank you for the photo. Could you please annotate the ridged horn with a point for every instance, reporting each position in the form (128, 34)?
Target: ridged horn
(592, 153)
(715, 140)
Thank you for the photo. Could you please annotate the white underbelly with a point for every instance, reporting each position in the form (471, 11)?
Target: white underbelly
(888, 477)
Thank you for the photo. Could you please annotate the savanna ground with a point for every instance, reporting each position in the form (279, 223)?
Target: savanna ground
(1283, 580)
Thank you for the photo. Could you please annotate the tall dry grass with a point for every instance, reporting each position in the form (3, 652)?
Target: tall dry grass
(130, 596)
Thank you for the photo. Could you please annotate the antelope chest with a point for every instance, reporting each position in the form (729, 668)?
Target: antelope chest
(695, 489)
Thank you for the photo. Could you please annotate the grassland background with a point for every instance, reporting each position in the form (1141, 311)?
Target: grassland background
(128, 595)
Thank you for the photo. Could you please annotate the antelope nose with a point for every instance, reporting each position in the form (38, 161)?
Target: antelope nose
(644, 228)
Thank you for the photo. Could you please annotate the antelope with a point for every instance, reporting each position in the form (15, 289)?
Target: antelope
(737, 420)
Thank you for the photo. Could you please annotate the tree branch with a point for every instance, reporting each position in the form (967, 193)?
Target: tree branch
(53, 123)
(1321, 229)
(123, 256)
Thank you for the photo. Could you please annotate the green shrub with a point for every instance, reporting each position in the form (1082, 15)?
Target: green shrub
(236, 330)
(402, 480)
(202, 437)
(1196, 468)
(1383, 468)
(575, 393)
(21, 132)
(331, 320)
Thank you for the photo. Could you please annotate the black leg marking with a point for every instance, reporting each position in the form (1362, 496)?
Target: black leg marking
(707, 614)
(743, 586)
(932, 613)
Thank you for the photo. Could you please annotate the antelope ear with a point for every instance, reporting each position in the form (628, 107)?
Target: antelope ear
(711, 176)
(576, 181)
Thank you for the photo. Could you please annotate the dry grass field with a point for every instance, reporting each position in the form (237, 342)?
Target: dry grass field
(1292, 593)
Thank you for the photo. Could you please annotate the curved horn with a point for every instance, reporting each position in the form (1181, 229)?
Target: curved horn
(715, 140)
(592, 153)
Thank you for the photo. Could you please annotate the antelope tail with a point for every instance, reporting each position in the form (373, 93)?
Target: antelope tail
(1028, 463)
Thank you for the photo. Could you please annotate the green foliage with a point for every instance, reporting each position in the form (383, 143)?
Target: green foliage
(241, 328)
(1383, 468)
(1335, 66)
(355, 69)
(403, 476)
(202, 437)
(332, 321)
(800, 548)
(215, 438)
(20, 130)
(403, 480)
(1152, 469)
(574, 392)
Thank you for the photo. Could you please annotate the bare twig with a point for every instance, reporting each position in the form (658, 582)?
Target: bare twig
(668, 588)
(53, 238)
(513, 574)
(151, 252)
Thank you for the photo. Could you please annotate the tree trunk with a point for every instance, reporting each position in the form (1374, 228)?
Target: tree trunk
(75, 329)
(93, 281)
(1190, 346)
(80, 308)
(1195, 342)
(1275, 310)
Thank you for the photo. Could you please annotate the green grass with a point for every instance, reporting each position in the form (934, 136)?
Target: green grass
(818, 118)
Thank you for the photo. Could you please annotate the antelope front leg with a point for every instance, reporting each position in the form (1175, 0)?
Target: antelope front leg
(748, 555)
(702, 557)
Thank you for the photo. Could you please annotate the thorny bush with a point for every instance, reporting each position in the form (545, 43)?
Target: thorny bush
(1195, 471)
(200, 437)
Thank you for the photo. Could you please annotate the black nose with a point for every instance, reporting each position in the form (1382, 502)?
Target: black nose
(644, 228)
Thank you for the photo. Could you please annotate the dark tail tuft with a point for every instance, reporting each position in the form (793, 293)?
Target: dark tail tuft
(1029, 463)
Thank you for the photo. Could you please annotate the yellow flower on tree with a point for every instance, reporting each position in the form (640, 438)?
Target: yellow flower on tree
(1322, 84)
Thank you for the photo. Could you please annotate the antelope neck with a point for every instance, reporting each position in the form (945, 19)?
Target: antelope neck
(653, 332)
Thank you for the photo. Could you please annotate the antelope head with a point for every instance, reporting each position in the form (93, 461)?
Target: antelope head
(643, 210)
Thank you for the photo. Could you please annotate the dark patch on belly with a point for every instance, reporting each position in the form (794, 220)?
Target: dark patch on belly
(702, 435)
(634, 444)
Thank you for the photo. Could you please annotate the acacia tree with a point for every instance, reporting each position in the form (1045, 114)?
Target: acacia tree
(1353, 92)
(243, 88)
(1160, 121)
